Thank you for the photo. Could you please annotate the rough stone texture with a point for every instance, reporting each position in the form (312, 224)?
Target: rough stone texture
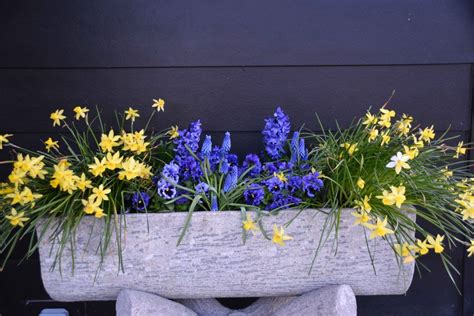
(212, 261)
(333, 300)
(136, 303)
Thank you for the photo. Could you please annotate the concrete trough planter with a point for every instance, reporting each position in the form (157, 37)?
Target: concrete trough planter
(212, 260)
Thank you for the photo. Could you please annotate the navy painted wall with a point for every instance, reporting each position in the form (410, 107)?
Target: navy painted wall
(230, 63)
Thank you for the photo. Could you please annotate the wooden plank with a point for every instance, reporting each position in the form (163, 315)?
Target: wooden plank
(214, 33)
(238, 99)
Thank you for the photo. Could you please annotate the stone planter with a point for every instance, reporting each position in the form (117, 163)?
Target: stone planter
(212, 260)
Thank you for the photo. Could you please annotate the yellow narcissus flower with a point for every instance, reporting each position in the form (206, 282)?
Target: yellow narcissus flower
(373, 133)
(369, 119)
(447, 173)
(134, 142)
(418, 142)
(459, 150)
(281, 176)
(173, 132)
(404, 124)
(423, 247)
(131, 169)
(113, 161)
(132, 114)
(405, 250)
(17, 177)
(82, 183)
(399, 162)
(427, 134)
(396, 196)
(470, 250)
(159, 105)
(108, 142)
(57, 116)
(63, 177)
(279, 236)
(386, 117)
(24, 197)
(91, 205)
(468, 208)
(4, 139)
(16, 219)
(51, 144)
(98, 167)
(350, 148)
(436, 244)
(360, 183)
(385, 139)
(364, 204)
(379, 229)
(249, 224)
(100, 193)
(411, 152)
(361, 217)
(80, 112)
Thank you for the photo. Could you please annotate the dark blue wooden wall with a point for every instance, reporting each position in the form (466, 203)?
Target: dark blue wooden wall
(230, 63)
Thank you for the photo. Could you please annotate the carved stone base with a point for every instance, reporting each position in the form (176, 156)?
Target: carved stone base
(333, 300)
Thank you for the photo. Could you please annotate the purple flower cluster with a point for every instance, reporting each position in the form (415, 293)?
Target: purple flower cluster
(140, 201)
(275, 134)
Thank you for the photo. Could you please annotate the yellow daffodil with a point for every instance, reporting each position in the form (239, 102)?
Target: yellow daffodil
(436, 244)
(24, 197)
(99, 213)
(279, 236)
(405, 250)
(411, 152)
(113, 161)
(373, 133)
(91, 205)
(159, 105)
(4, 139)
(82, 183)
(249, 224)
(379, 229)
(427, 134)
(399, 162)
(385, 138)
(134, 142)
(418, 142)
(51, 144)
(132, 168)
(470, 250)
(467, 205)
(63, 177)
(404, 124)
(173, 132)
(423, 247)
(369, 119)
(363, 204)
(459, 149)
(360, 183)
(386, 117)
(132, 114)
(100, 193)
(350, 148)
(281, 176)
(17, 177)
(396, 196)
(109, 141)
(362, 217)
(17, 219)
(57, 116)
(98, 167)
(446, 172)
(80, 112)
(6, 188)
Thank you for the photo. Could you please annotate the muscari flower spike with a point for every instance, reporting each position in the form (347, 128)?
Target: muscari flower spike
(303, 152)
(230, 181)
(206, 147)
(214, 205)
(294, 147)
(226, 144)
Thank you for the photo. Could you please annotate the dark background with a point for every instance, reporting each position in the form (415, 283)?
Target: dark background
(230, 63)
